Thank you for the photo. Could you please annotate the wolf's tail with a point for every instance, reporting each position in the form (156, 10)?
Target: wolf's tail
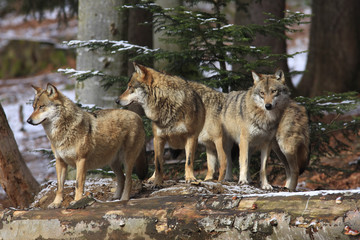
(141, 165)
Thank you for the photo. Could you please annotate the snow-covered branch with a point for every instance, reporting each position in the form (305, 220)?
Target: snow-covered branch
(76, 73)
(112, 46)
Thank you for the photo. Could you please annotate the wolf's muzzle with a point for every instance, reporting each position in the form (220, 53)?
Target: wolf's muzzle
(30, 121)
(268, 106)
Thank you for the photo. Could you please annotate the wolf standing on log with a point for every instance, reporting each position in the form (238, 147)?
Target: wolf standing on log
(176, 111)
(291, 143)
(89, 141)
(212, 135)
(251, 118)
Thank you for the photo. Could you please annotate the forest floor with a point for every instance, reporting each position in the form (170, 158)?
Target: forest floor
(16, 95)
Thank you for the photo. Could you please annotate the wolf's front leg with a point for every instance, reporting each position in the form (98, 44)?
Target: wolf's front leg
(157, 177)
(265, 153)
(211, 163)
(80, 180)
(61, 167)
(222, 159)
(131, 159)
(120, 179)
(227, 145)
(190, 149)
(243, 159)
(292, 174)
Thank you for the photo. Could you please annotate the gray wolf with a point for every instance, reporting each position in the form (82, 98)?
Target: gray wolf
(89, 140)
(212, 136)
(291, 143)
(251, 118)
(176, 111)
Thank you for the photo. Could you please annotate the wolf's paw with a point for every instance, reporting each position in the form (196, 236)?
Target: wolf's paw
(82, 203)
(208, 179)
(190, 179)
(243, 182)
(228, 179)
(267, 187)
(156, 183)
(125, 198)
(54, 205)
(114, 197)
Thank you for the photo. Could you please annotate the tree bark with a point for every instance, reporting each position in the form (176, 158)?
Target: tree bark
(309, 215)
(100, 20)
(139, 34)
(254, 14)
(334, 48)
(15, 177)
(158, 36)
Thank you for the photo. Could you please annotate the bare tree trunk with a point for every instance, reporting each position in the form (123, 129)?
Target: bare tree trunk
(333, 61)
(100, 20)
(157, 36)
(15, 177)
(139, 34)
(255, 15)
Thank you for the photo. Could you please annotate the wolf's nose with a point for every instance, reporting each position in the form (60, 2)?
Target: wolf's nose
(29, 120)
(268, 106)
(117, 101)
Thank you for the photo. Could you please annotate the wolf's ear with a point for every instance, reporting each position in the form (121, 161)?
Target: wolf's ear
(256, 77)
(279, 74)
(140, 69)
(37, 89)
(144, 73)
(51, 90)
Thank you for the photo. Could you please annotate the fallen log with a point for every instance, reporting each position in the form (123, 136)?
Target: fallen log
(300, 215)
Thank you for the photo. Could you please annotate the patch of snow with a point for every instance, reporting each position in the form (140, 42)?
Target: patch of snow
(90, 183)
(226, 26)
(309, 193)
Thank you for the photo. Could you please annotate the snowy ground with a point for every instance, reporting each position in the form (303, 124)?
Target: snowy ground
(16, 94)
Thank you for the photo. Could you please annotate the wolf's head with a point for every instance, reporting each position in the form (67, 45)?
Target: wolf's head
(136, 91)
(44, 104)
(270, 91)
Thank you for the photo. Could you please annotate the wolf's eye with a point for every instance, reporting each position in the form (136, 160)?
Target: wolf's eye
(274, 91)
(41, 107)
(262, 93)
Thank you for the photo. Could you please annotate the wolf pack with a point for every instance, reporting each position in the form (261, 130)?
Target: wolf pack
(183, 114)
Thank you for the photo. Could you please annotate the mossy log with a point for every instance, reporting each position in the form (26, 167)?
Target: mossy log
(309, 215)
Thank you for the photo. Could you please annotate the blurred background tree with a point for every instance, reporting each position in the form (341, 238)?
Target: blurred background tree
(253, 12)
(65, 8)
(333, 60)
